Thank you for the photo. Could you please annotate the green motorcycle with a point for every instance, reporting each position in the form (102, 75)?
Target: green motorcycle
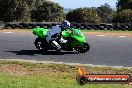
(75, 40)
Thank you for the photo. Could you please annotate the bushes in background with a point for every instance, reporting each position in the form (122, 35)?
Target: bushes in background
(83, 15)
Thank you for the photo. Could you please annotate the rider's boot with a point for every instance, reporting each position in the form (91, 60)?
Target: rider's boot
(56, 46)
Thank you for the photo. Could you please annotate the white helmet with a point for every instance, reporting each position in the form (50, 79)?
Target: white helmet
(66, 23)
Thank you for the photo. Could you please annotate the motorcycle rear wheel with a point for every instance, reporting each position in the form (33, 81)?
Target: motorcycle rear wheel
(39, 43)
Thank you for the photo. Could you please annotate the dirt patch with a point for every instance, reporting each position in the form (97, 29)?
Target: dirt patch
(130, 84)
(17, 30)
(21, 70)
(13, 69)
(109, 33)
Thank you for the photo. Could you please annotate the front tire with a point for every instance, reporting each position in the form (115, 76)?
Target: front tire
(84, 48)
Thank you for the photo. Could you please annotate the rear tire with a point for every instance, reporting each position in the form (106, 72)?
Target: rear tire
(41, 44)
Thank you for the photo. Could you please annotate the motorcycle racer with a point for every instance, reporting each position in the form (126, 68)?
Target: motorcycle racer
(54, 34)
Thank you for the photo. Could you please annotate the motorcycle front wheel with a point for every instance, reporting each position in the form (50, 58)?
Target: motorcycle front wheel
(84, 48)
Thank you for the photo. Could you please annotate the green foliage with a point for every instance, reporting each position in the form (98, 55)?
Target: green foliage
(124, 12)
(106, 13)
(124, 16)
(14, 10)
(48, 11)
(83, 15)
(33, 4)
(23, 10)
(124, 4)
(38, 3)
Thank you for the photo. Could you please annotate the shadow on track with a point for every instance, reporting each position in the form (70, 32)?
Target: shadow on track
(33, 52)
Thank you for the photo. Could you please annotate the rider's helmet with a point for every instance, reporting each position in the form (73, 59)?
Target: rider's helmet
(66, 23)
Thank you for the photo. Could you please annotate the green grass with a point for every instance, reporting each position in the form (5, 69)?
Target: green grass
(54, 76)
(47, 81)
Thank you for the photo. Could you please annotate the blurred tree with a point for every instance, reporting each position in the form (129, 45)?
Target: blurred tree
(83, 15)
(106, 13)
(124, 16)
(38, 3)
(18, 10)
(124, 4)
(48, 11)
(14, 10)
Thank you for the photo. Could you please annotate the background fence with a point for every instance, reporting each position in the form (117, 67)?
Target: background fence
(30, 25)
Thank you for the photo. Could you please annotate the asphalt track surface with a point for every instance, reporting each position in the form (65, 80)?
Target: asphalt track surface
(105, 50)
